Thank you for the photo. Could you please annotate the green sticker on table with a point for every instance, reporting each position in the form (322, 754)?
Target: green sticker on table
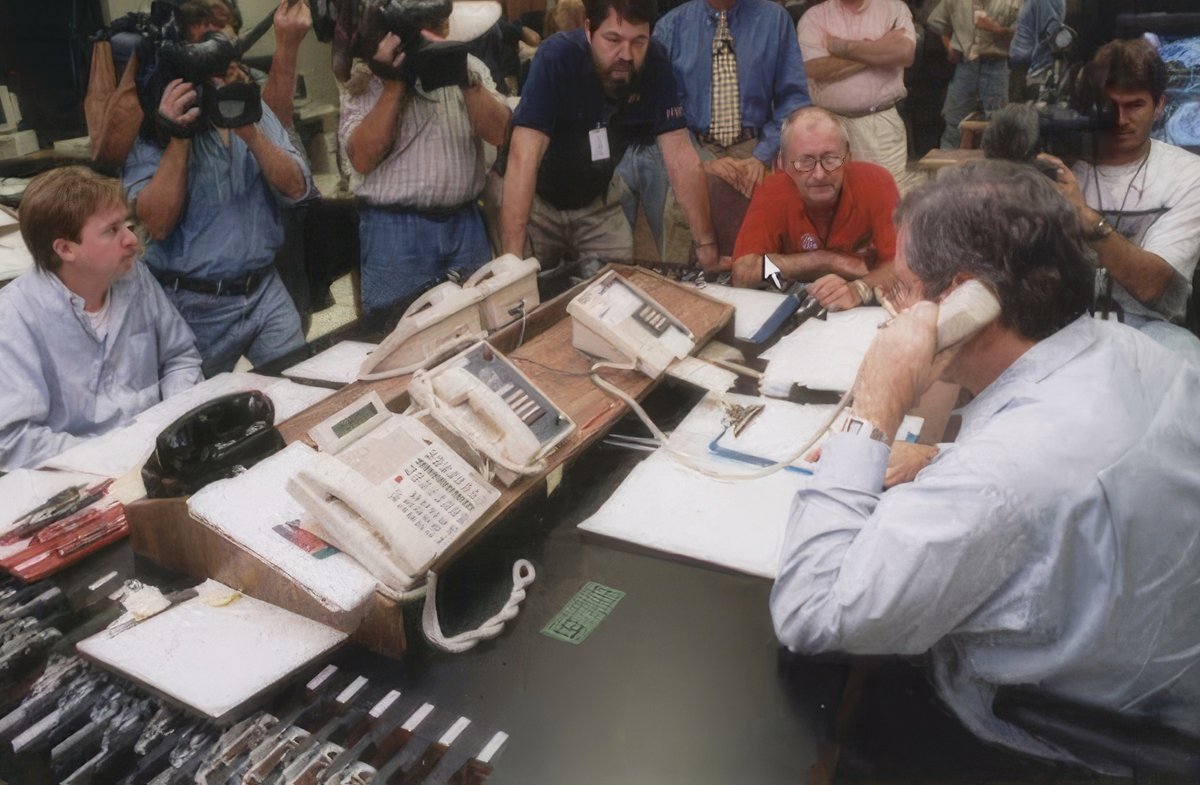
(583, 613)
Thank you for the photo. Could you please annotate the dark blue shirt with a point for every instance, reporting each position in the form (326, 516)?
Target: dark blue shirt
(564, 99)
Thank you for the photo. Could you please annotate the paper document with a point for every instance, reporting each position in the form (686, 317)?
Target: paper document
(821, 354)
(754, 310)
(338, 364)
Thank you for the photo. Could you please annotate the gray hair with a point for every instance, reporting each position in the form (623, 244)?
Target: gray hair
(1007, 225)
(807, 117)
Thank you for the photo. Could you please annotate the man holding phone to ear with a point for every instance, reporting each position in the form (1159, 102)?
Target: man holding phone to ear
(1050, 546)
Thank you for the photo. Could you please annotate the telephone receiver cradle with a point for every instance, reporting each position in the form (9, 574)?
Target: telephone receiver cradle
(437, 323)
(508, 288)
(483, 399)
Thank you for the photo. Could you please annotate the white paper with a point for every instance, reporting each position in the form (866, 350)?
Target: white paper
(821, 354)
(215, 652)
(24, 489)
(118, 452)
(752, 307)
(248, 507)
(339, 363)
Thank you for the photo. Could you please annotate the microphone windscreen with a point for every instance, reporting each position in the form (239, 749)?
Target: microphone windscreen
(1012, 134)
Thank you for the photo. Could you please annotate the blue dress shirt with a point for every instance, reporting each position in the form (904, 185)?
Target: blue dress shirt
(771, 77)
(1027, 47)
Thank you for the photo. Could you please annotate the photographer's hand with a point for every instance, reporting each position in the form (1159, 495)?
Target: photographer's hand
(292, 21)
(1068, 186)
(390, 52)
(178, 103)
(368, 143)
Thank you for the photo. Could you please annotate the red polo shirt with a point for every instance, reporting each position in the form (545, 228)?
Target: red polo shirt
(776, 221)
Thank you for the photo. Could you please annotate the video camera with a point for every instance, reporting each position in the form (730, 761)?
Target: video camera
(433, 64)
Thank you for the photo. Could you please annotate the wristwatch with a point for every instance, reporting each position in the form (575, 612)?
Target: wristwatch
(862, 427)
(1100, 231)
(865, 295)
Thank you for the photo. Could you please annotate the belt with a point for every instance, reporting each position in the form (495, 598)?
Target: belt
(745, 135)
(232, 287)
(428, 212)
(868, 111)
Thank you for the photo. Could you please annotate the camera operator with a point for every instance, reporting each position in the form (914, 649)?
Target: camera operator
(415, 145)
(1138, 199)
(208, 187)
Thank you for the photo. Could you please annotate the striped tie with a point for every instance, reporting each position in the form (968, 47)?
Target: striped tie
(726, 102)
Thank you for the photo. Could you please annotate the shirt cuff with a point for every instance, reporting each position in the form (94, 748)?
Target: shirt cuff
(853, 462)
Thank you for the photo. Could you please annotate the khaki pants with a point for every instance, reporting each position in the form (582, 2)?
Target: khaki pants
(881, 138)
(598, 230)
(677, 235)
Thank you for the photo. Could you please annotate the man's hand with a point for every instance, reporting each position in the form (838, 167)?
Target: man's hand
(906, 460)
(292, 22)
(753, 171)
(1068, 186)
(709, 259)
(726, 169)
(390, 52)
(178, 103)
(834, 293)
(899, 367)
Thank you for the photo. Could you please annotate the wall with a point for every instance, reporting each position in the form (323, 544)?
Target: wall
(313, 59)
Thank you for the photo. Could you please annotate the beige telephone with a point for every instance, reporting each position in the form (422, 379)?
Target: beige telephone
(617, 321)
(393, 499)
(438, 323)
(508, 289)
(964, 312)
(499, 412)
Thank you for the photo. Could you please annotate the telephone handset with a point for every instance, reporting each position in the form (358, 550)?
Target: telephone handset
(617, 321)
(508, 287)
(358, 518)
(393, 499)
(485, 400)
(964, 312)
(437, 323)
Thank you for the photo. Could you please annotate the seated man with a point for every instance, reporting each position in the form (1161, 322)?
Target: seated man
(591, 93)
(88, 340)
(417, 157)
(1054, 544)
(823, 218)
(1139, 200)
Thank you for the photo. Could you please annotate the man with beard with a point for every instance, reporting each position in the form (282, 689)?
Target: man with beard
(590, 94)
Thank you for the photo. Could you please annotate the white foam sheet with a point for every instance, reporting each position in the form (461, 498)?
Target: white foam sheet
(213, 653)
(821, 354)
(752, 307)
(24, 489)
(246, 508)
(118, 452)
(338, 364)
(738, 524)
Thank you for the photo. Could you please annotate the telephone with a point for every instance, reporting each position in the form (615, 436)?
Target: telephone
(964, 312)
(437, 323)
(508, 288)
(617, 321)
(481, 397)
(394, 499)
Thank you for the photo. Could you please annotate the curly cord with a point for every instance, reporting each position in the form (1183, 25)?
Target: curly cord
(523, 574)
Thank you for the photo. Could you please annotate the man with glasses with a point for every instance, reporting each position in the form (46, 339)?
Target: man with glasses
(823, 219)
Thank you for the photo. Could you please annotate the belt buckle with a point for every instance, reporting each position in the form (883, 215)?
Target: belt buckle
(220, 285)
(248, 284)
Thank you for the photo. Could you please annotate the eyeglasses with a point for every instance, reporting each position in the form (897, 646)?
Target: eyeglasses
(830, 163)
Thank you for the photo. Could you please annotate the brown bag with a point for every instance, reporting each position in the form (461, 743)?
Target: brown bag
(112, 110)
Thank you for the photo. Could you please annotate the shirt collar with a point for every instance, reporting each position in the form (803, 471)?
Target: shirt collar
(712, 14)
(1043, 358)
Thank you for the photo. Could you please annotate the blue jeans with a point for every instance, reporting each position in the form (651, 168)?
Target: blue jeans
(403, 252)
(645, 175)
(262, 325)
(982, 83)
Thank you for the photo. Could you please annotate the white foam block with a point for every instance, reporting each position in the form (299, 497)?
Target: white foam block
(821, 354)
(214, 653)
(338, 364)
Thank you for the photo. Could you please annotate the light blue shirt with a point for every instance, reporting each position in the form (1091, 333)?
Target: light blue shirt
(62, 384)
(1056, 543)
(1027, 47)
(230, 222)
(771, 78)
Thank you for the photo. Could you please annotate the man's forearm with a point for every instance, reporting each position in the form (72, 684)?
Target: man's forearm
(805, 267)
(371, 141)
(831, 68)
(520, 182)
(281, 170)
(689, 182)
(489, 117)
(1145, 275)
(892, 50)
(280, 90)
(160, 203)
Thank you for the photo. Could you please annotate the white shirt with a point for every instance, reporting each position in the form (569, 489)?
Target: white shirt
(1155, 204)
(1055, 544)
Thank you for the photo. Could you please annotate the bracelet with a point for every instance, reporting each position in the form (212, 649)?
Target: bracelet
(1100, 230)
(865, 295)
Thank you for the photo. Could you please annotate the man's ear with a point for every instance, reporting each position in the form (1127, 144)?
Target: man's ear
(64, 249)
(587, 30)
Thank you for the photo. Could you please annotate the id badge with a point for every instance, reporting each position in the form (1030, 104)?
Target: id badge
(598, 138)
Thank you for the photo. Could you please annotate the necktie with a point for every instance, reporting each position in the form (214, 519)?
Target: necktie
(726, 124)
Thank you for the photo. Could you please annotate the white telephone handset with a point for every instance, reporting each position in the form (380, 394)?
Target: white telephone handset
(438, 323)
(508, 287)
(485, 400)
(964, 312)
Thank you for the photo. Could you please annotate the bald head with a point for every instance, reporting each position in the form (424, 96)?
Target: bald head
(810, 120)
